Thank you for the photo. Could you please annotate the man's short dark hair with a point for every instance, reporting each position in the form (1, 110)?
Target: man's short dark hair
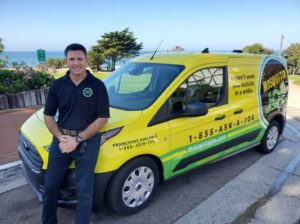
(75, 47)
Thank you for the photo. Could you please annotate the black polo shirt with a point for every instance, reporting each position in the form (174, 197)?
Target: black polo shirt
(78, 106)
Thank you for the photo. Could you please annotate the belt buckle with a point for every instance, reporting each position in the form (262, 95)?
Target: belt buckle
(70, 132)
(73, 132)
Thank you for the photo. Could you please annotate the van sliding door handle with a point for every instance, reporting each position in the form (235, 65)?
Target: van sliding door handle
(238, 111)
(220, 117)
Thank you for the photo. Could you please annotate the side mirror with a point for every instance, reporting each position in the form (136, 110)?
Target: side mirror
(196, 109)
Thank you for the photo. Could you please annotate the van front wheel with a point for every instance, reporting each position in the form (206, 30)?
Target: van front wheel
(270, 138)
(133, 186)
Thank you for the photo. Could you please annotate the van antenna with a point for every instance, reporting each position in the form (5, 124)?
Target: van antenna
(205, 51)
(156, 50)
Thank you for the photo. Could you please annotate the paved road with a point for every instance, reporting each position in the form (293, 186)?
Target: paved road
(267, 192)
(10, 123)
(172, 200)
(219, 187)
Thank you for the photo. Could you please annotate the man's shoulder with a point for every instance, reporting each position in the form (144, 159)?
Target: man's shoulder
(57, 82)
(95, 80)
(60, 79)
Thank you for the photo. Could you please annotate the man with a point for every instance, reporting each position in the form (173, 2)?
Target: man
(82, 103)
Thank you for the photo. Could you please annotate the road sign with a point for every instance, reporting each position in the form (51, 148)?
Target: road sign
(41, 54)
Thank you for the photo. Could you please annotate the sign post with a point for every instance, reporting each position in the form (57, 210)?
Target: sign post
(41, 54)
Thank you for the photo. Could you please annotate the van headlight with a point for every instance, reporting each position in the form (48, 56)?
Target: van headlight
(109, 134)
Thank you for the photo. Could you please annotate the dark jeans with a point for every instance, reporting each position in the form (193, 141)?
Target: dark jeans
(58, 164)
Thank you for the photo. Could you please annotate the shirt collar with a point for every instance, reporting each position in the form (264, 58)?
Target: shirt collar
(88, 78)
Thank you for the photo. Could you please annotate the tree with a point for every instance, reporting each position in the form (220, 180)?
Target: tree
(178, 49)
(96, 57)
(3, 62)
(115, 46)
(14, 65)
(293, 57)
(257, 48)
(55, 63)
(1, 45)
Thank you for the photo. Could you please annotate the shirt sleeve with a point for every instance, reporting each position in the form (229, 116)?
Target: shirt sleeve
(51, 105)
(102, 102)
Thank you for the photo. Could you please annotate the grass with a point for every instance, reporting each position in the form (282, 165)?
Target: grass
(295, 79)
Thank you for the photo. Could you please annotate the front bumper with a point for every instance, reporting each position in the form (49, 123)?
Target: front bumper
(34, 174)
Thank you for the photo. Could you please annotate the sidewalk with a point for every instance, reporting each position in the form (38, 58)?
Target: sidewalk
(265, 193)
(10, 123)
(293, 102)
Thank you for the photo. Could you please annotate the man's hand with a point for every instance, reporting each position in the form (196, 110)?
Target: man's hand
(67, 143)
(62, 138)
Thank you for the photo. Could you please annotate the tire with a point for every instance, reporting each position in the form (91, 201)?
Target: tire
(270, 139)
(133, 186)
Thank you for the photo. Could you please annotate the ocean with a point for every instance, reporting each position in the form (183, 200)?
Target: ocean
(30, 57)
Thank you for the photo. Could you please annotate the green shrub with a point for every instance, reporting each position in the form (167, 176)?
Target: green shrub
(40, 80)
(4, 89)
(12, 81)
(18, 86)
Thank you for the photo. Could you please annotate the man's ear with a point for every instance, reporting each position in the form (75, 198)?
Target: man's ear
(65, 60)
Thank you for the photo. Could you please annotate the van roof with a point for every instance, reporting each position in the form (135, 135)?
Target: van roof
(186, 58)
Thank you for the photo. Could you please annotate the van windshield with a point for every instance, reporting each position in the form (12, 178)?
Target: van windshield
(136, 85)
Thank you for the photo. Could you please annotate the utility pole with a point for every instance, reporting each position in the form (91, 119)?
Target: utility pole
(281, 44)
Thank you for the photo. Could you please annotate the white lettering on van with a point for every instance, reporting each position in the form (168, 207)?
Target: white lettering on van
(135, 143)
(206, 143)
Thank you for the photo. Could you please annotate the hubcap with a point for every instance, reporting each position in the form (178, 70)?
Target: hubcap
(272, 137)
(138, 186)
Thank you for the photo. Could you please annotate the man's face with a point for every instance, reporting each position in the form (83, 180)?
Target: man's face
(76, 61)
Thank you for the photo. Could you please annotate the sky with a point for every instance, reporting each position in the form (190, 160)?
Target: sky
(28, 25)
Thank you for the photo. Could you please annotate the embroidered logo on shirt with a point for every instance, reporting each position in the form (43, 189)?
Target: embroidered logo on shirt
(87, 92)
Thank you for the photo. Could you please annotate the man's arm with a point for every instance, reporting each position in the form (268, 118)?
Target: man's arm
(64, 145)
(69, 143)
(52, 126)
(94, 128)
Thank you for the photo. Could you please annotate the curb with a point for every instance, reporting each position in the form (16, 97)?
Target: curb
(10, 170)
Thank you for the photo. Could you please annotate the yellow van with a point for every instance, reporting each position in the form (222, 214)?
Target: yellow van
(169, 114)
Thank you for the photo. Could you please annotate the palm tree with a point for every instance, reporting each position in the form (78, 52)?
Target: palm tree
(1, 45)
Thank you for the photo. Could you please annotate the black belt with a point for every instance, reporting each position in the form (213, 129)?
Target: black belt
(70, 132)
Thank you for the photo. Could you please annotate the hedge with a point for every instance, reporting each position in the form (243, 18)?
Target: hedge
(23, 88)
(12, 81)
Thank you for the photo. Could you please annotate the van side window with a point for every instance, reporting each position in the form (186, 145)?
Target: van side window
(206, 85)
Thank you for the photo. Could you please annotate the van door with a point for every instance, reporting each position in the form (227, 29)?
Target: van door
(197, 140)
(243, 101)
